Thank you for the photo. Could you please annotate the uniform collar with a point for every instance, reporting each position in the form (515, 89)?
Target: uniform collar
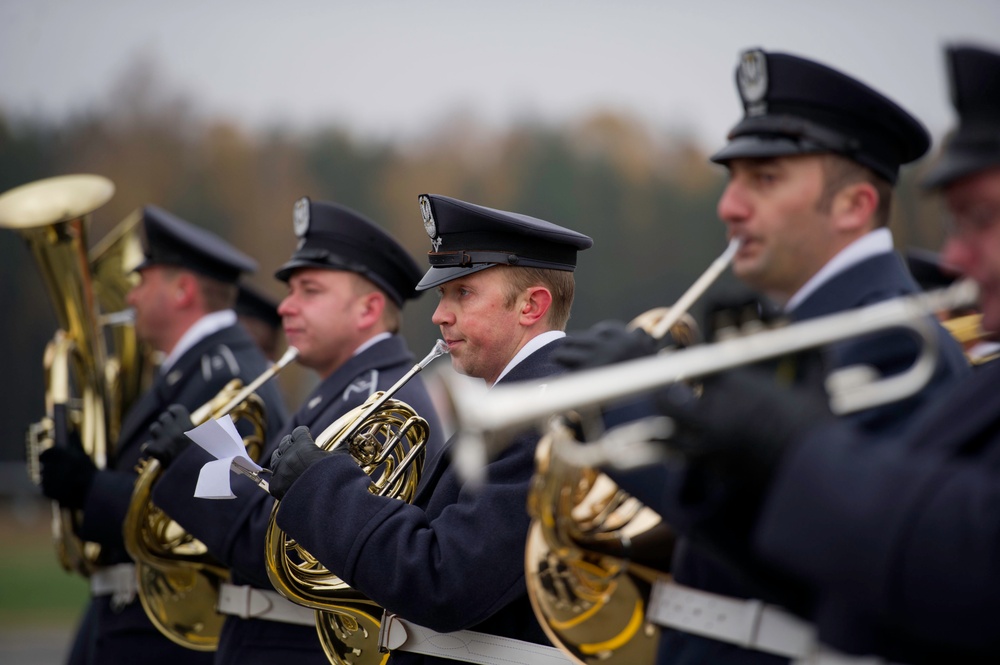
(372, 342)
(202, 328)
(533, 345)
(871, 244)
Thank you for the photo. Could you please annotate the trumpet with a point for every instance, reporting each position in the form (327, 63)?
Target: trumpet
(486, 419)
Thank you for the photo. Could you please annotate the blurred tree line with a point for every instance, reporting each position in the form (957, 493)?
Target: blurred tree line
(646, 196)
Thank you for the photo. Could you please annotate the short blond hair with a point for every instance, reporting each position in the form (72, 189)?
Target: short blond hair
(560, 283)
(391, 314)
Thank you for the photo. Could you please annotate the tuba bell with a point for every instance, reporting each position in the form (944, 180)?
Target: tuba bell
(386, 438)
(178, 580)
(92, 372)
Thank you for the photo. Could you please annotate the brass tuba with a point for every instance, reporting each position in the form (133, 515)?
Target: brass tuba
(178, 580)
(386, 438)
(92, 374)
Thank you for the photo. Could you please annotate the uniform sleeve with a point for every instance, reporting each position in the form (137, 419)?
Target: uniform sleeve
(908, 538)
(105, 508)
(110, 495)
(446, 573)
(232, 529)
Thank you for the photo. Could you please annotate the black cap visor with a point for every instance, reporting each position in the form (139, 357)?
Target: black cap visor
(324, 261)
(762, 147)
(954, 165)
(438, 276)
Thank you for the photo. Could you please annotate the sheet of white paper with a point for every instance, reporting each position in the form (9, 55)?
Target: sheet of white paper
(221, 440)
(213, 480)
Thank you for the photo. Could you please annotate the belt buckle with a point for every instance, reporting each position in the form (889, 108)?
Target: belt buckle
(388, 629)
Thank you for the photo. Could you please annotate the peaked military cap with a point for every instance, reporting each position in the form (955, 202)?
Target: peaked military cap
(974, 78)
(927, 268)
(169, 240)
(467, 238)
(251, 302)
(334, 237)
(794, 106)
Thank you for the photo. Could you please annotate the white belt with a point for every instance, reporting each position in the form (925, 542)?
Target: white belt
(748, 623)
(118, 581)
(397, 634)
(247, 602)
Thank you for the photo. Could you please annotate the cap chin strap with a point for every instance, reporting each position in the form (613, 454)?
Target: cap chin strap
(467, 259)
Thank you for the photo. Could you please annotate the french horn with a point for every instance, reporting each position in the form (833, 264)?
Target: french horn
(178, 580)
(386, 437)
(588, 592)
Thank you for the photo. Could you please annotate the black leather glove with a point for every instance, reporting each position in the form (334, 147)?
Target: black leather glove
(605, 343)
(168, 439)
(296, 453)
(737, 432)
(67, 474)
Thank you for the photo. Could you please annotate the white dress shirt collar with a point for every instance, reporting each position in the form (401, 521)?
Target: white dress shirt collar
(202, 328)
(871, 244)
(533, 345)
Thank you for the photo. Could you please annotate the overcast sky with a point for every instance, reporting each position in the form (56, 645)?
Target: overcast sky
(391, 68)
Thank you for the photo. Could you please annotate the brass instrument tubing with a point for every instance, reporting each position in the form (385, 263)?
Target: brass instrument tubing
(440, 349)
(695, 291)
(486, 418)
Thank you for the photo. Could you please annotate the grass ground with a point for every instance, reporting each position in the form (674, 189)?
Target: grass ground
(34, 589)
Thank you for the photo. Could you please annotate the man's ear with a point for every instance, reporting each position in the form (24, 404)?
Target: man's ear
(370, 308)
(535, 305)
(854, 207)
(186, 290)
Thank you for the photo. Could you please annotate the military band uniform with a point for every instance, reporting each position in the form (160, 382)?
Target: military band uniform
(798, 113)
(116, 629)
(902, 565)
(196, 378)
(233, 530)
(453, 559)
(877, 278)
(335, 243)
(906, 568)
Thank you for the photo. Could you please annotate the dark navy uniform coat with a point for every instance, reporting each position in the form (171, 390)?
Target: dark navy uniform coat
(907, 568)
(234, 530)
(452, 560)
(127, 636)
(878, 278)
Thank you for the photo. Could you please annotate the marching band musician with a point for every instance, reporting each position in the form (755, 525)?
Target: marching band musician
(184, 309)
(452, 560)
(811, 166)
(347, 281)
(893, 539)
